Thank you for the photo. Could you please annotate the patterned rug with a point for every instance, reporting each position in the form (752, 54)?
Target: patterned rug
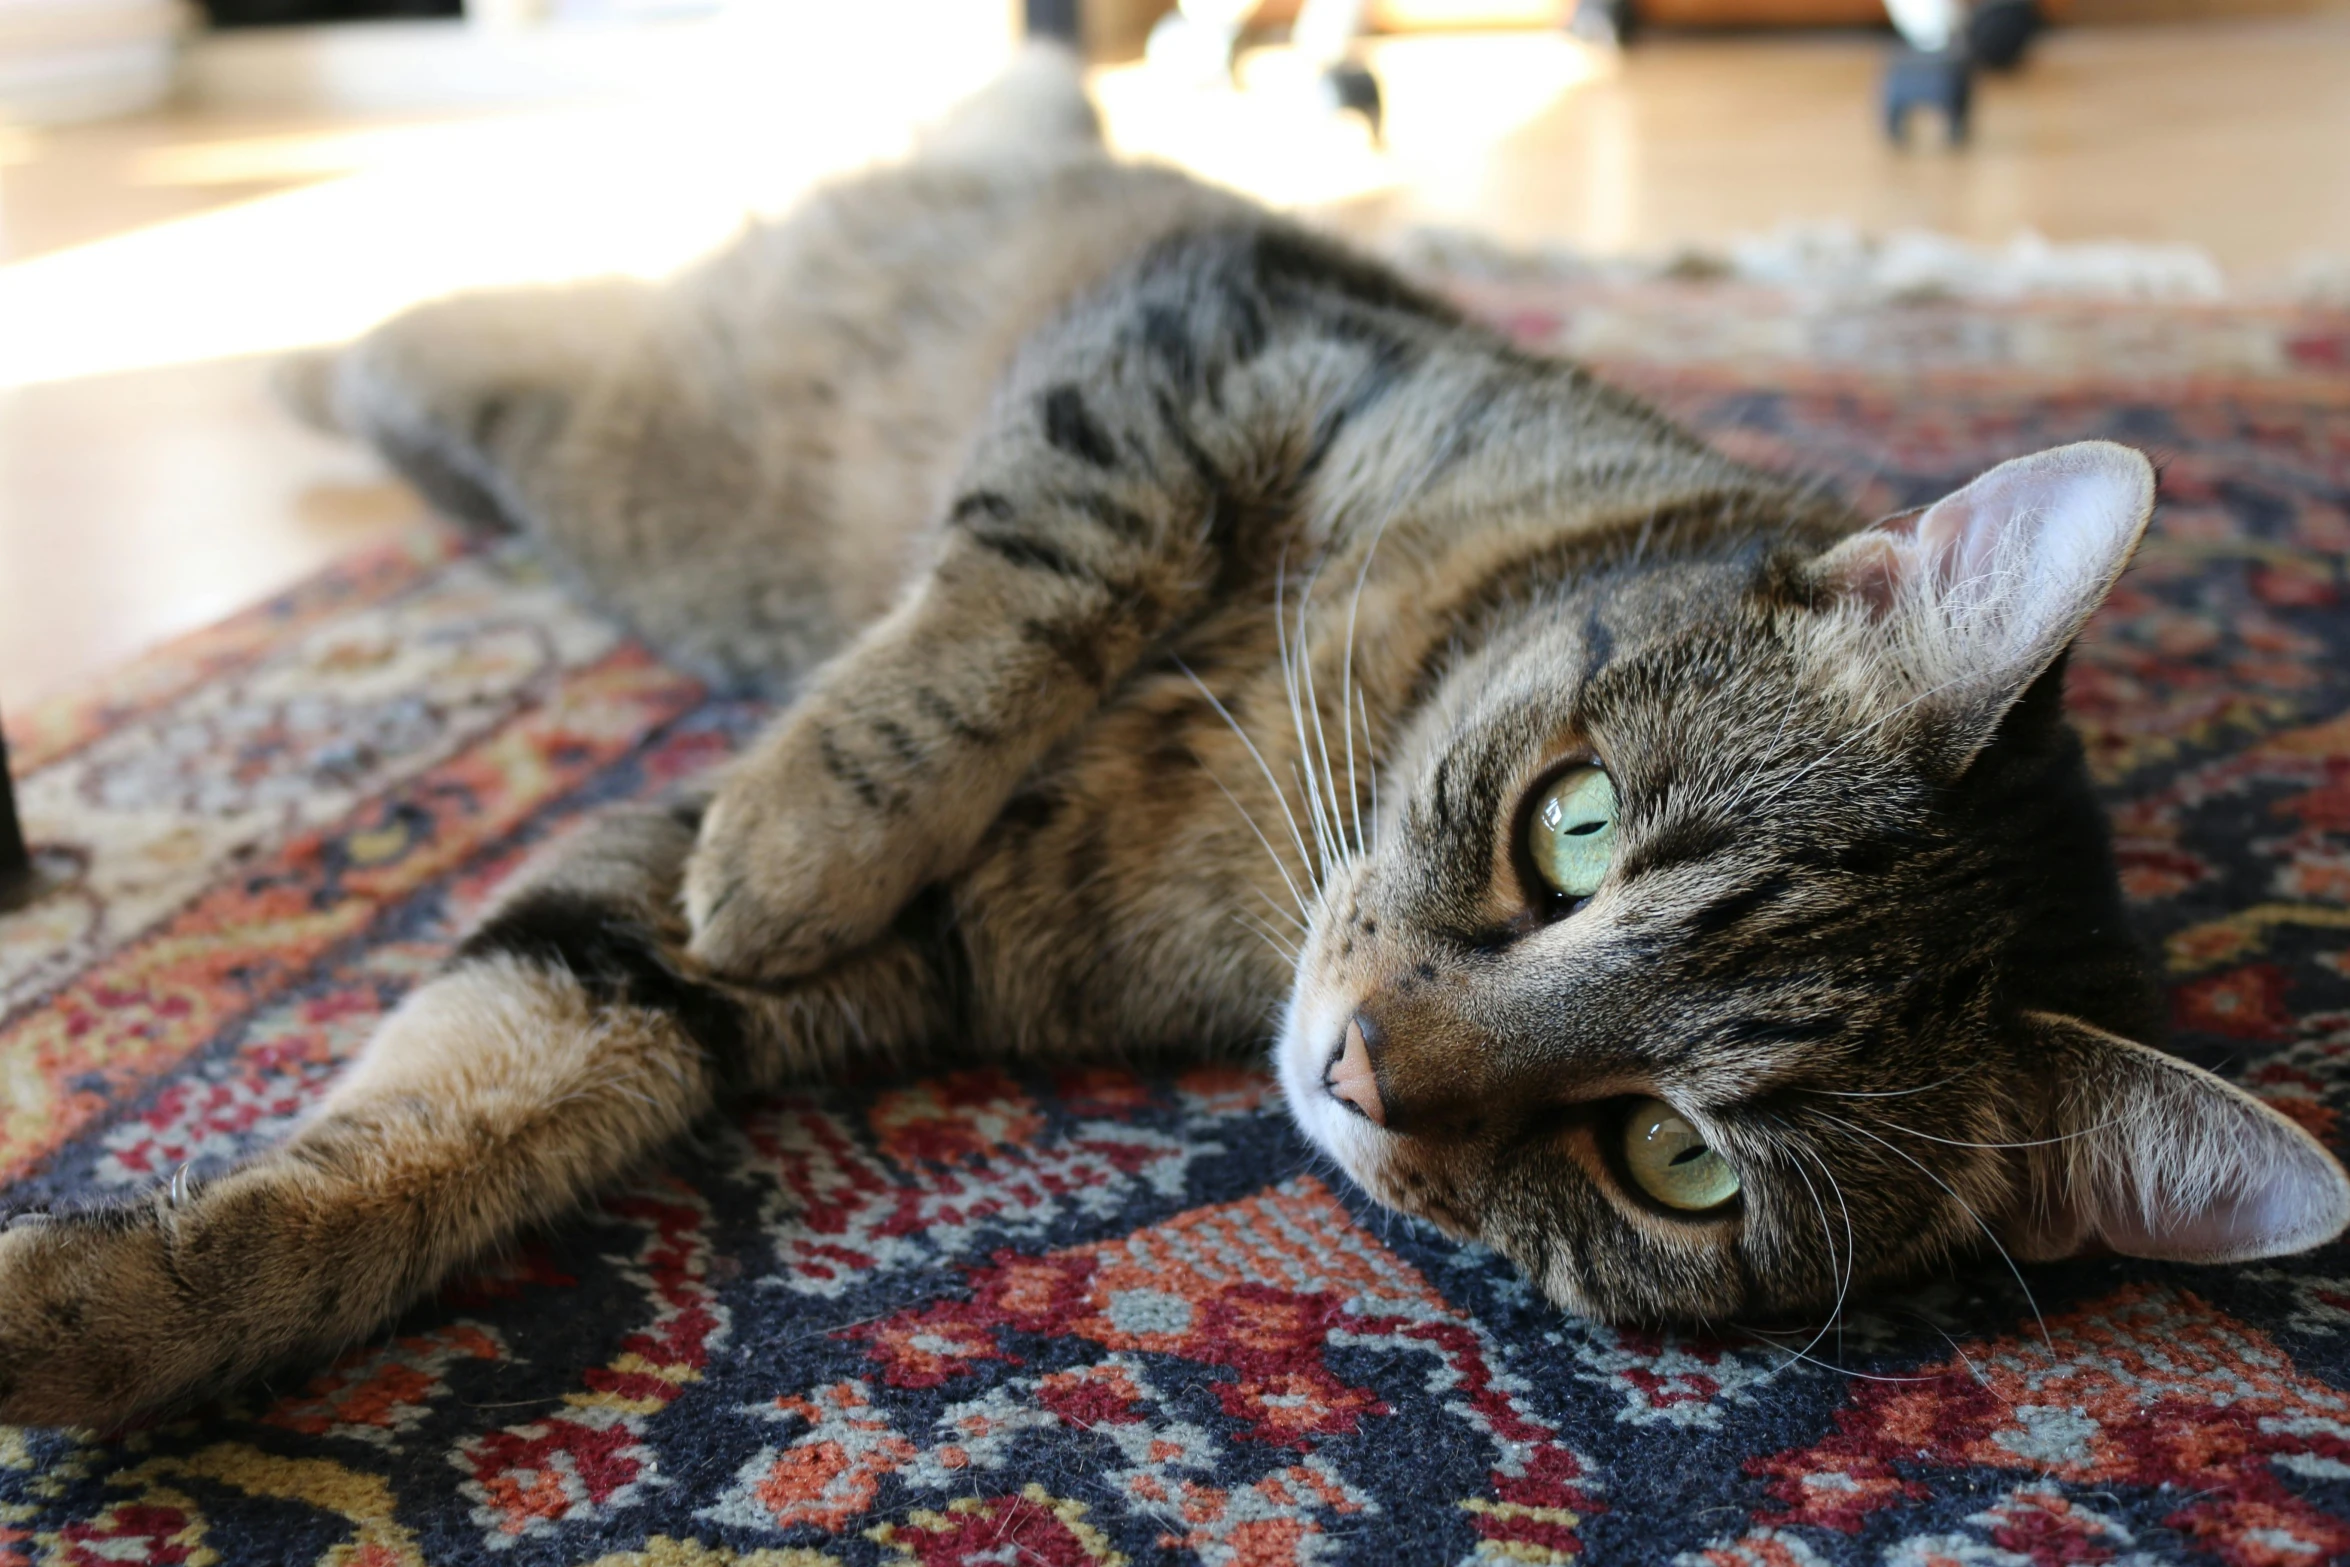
(1096, 1318)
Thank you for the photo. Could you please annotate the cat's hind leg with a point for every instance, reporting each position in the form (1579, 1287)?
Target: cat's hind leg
(466, 396)
(566, 1042)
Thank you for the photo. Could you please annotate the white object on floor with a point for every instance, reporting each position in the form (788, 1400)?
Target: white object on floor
(1928, 26)
(1838, 259)
(1915, 263)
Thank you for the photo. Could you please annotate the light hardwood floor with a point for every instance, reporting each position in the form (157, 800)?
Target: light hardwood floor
(148, 268)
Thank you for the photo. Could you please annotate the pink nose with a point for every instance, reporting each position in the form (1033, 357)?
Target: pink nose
(1349, 1076)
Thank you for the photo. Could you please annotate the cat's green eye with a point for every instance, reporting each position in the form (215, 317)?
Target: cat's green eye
(1573, 835)
(1672, 1162)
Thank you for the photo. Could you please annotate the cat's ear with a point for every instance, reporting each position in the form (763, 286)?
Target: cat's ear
(1958, 607)
(2150, 1156)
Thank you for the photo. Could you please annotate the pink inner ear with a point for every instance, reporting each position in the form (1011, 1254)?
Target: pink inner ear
(1961, 537)
(2003, 572)
(1875, 567)
(2206, 1173)
(2238, 1224)
(1951, 540)
(2156, 1157)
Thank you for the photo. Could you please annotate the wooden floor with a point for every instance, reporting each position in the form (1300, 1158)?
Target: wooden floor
(148, 268)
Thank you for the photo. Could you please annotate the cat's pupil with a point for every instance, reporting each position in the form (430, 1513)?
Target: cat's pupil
(1580, 828)
(1693, 1151)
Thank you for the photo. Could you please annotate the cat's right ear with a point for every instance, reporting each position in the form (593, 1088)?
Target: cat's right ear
(2151, 1156)
(1949, 613)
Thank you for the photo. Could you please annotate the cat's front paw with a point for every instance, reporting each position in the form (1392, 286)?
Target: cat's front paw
(94, 1323)
(794, 866)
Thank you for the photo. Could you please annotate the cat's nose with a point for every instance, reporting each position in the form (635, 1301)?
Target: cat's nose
(1350, 1076)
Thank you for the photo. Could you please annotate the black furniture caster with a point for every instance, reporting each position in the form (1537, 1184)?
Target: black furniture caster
(1604, 21)
(1941, 81)
(1998, 31)
(1053, 19)
(1347, 85)
(17, 878)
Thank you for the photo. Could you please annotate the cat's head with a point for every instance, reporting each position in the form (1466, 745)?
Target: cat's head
(1740, 929)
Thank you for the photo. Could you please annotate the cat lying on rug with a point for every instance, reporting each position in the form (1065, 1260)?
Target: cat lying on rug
(1642, 864)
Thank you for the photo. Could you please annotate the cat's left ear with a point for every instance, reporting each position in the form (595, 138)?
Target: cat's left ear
(2151, 1156)
(1959, 607)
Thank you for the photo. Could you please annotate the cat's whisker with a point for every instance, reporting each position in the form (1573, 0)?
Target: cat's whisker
(1865, 730)
(1315, 806)
(1325, 851)
(1807, 1358)
(1989, 1234)
(1296, 837)
(1851, 1244)
(1347, 693)
(1828, 1236)
(1321, 724)
(1958, 1350)
(2037, 1142)
(1341, 845)
(1270, 936)
(1274, 904)
(1783, 736)
(1346, 709)
(1879, 1093)
(1799, 1146)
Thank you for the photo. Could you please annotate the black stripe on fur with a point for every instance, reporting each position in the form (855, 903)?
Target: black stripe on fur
(615, 958)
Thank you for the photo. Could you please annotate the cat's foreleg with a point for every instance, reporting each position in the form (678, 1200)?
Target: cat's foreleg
(1138, 450)
(567, 1041)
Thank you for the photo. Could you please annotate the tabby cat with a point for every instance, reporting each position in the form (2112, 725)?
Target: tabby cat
(1196, 634)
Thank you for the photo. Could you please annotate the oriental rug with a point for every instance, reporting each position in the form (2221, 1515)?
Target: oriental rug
(1097, 1318)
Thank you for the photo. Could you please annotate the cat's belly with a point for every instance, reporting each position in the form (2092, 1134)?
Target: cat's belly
(1125, 901)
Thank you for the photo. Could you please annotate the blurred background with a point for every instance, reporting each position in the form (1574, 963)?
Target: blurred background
(185, 191)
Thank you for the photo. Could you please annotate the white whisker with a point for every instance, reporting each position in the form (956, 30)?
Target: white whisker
(1988, 1234)
(1869, 728)
(1316, 807)
(1881, 1093)
(2037, 1142)
(1347, 694)
(1314, 704)
(1279, 864)
(1295, 836)
(1828, 1236)
(1814, 1360)
(1269, 935)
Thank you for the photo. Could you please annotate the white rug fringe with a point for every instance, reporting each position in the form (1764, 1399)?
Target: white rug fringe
(1837, 259)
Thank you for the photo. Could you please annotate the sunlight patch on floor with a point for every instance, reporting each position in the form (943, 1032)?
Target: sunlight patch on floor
(393, 214)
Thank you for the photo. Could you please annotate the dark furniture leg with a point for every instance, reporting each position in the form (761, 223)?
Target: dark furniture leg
(16, 862)
(1998, 32)
(1940, 82)
(1052, 19)
(1604, 21)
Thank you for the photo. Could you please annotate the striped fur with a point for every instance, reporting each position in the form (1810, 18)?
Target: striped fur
(1180, 614)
